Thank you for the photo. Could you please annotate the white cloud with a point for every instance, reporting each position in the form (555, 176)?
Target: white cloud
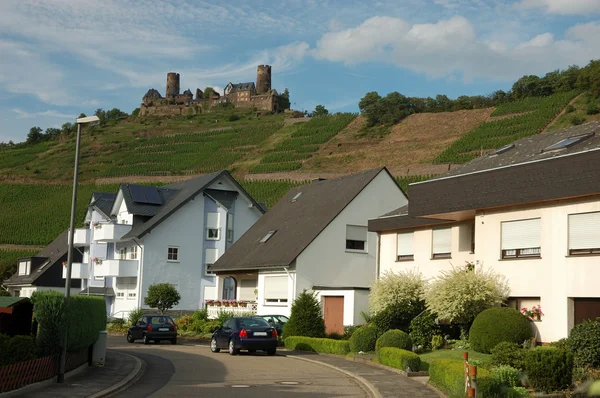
(451, 47)
(21, 114)
(563, 7)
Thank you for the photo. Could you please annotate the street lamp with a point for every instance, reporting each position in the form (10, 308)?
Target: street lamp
(92, 121)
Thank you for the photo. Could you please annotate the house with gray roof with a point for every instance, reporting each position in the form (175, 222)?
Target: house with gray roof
(143, 235)
(315, 238)
(529, 210)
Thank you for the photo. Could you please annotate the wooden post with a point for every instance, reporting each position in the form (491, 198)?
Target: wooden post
(467, 384)
(473, 381)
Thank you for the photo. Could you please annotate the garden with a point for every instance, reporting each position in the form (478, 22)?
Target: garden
(418, 326)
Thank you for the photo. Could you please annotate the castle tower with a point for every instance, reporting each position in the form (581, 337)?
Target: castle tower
(172, 85)
(263, 79)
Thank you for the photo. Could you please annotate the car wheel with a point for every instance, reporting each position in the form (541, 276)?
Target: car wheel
(232, 349)
(130, 338)
(174, 341)
(213, 345)
(146, 339)
(272, 352)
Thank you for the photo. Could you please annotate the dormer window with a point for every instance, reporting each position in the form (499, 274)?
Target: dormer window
(568, 142)
(24, 267)
(267, 236)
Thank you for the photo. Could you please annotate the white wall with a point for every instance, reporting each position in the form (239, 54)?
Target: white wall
(265, 308)
(27, 291)
(123, 215)
(355, 301)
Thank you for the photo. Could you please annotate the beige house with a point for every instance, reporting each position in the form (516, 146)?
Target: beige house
(530, 211)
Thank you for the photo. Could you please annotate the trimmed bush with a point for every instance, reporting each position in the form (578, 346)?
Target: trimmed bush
(449, 376)
(397, 316)
(496, 325)
(584, 341)
(507, 375)
(422, 329)
(16, 349)
(508, 354)
(549, 368)
(517, 392)
(363, 339)
(399, 359)
(394, 338)
(327, 346)
(306, 318)
(349, 331)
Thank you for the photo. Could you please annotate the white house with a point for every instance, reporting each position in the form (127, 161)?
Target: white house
(314, 238)
(529, 211)
(143, 235)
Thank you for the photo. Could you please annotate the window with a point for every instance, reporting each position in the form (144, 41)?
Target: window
(120, 294)
(276, 289)
(404, 248)
(17, 293)
(568, 142)
(356, 238)
(502, 150)
(441, 243)
(229, 285)
(212, 226)
(133, 252)
(247, 287)
(131, 291)
(267, 236)
(521, 239)
(173, 254)
(230, 227)
(211, 256)
(584, 233)
(24, 267)
(123, 253)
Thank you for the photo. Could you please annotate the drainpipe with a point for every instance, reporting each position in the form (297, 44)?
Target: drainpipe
(378, 256)
(293, 280)
(140, 273)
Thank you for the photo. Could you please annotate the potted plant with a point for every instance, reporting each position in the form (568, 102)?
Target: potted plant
(469, 266)
(97, 260)
(233, 303)
(243, 303)
(255, 294)
(534, 314)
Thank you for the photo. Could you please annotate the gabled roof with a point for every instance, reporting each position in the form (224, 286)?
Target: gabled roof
(141, 209)
(242, 86)
(174, 197)
(103, 202)
(400, 220)
(226, 198)
(296, 223)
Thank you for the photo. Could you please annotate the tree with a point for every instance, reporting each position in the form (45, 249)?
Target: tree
(66, 128)
(320, 110)
(81, 115)
(35, 135)
(52, 133)
(404, 288)
(162, 296)
(459, 295)
(4, 293)
(208, 92)
(306, 318)
(101, 114)
(284, 100)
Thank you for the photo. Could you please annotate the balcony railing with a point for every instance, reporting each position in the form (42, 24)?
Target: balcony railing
(121, 268)
(110, 232)
(81, 237)
(215, 310)
(78, 271)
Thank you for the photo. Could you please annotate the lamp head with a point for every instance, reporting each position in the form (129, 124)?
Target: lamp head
(91, 120)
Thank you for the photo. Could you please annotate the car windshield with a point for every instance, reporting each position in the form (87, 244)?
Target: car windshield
(159, 320)
(249, 323)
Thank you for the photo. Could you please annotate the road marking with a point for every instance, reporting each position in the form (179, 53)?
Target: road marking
(289, 383)
(239, 386)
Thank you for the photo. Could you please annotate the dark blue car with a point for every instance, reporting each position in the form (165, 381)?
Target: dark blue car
(245, 333)
(153, 327)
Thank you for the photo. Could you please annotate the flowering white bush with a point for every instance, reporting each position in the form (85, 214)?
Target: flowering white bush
(402, 288)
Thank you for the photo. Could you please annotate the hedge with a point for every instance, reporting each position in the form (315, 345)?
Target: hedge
(316, 344)
(16, 349)
(496, 325)
(449, 376)
(549, 369)
(399, 358)
(394, 338)
(86, 317)
(363, 339)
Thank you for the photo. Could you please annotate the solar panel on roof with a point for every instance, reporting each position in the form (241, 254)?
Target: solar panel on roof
(145, 195)
(567, 142)
(502, 150)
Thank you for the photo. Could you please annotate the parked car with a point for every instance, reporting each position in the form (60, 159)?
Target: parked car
(277, 321)
(153, 327)
(245, 333)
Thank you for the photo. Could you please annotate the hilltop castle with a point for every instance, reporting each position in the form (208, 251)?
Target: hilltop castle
(242, 95)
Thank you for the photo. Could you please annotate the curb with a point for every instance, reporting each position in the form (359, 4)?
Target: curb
(370, 387)
(44, 383)
(127, 379)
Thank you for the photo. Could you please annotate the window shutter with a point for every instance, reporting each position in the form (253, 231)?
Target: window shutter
(276, 287)
(247, 287)
(355, 232)
(229, 221)
(211, 255)
(442, 240)
(521, 234)
(212, 220)
(584, 231)
(405, 244)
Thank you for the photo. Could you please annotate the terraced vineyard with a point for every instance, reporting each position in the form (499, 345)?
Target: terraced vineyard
(532, 115)
(8, 261)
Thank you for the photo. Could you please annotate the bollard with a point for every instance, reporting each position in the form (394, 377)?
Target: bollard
(467, 384)
(473, 381)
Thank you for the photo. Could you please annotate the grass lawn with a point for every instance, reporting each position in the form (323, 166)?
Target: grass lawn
(451, 354)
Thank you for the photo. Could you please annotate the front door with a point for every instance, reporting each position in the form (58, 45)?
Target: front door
(334, 314)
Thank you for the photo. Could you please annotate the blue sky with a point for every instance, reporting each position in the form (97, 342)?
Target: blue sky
(59, 58)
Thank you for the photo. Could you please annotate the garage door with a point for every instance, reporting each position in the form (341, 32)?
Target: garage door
(333, 312)
(586, 308)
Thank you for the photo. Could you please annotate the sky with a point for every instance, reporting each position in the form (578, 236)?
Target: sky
(60, 58)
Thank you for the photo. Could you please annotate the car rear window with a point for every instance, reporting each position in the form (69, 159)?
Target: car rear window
(160, 320)
(253, 323)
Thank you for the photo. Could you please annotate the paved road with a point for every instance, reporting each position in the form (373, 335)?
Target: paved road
(192, 370)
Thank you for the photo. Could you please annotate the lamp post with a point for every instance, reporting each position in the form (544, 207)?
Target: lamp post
(92, 121)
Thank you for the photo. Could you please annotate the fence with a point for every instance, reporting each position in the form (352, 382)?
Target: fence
(215, 310)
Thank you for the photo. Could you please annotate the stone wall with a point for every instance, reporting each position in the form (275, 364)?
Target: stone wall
(168, 110)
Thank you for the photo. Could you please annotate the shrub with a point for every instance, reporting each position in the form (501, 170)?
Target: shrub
(223, 316)
(569, 109)
(134, 315)
(508, 354)
(563, 344)
(458, 296)
(577, 120)
(449, 376)
(507, 375)
(334, 336)
(118, 322)
(211, 326)
(363, 339)
(162, 296)
(397, 316)
(4, 293)
(327, 346)
(436, 342)
(184, 323)
(394, 338)
(306, 318)
(549, 368)
(399, 359)
(496, 325)
(592, 109)
(423, 328)
(349, 331)
(402, 288)
(517, 392)
(584, 341)
(16, 349)
(200, 315)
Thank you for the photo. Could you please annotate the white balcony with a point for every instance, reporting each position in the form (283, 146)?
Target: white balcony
(121, 268)
(81, 237)
(78, 271)
(110, 232)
